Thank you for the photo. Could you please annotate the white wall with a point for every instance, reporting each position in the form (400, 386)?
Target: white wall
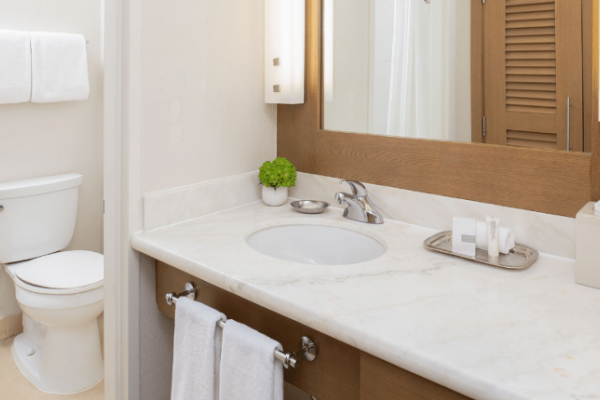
(347, 109)
(203, 110)
(47, 139)
(203, 117)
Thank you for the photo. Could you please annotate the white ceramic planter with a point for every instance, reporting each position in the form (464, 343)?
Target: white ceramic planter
(274, 197)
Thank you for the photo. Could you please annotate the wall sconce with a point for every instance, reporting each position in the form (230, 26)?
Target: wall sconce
(284, 51)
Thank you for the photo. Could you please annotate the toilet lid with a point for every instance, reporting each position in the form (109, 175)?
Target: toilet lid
(63, 270)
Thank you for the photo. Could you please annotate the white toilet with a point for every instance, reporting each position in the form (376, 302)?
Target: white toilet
(61, 293)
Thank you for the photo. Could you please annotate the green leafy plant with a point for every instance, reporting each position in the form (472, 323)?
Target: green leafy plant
(279, 173)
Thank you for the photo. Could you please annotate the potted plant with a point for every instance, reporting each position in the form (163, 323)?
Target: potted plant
(276, 177)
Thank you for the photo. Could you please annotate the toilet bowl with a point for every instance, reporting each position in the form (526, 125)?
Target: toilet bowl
(59, 349)
(61, 293)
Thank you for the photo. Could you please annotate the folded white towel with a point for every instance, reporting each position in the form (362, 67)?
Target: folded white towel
(59, 67)
(506, 237)
(196, 351)
(249, 370)
(15, 67)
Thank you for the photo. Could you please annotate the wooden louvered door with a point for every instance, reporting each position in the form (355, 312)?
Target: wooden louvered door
(532, 61)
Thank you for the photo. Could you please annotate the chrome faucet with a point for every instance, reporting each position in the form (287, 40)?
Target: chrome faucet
(359, 207)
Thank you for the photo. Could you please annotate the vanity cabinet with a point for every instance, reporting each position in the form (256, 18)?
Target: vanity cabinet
(340, 371)
(380, 380)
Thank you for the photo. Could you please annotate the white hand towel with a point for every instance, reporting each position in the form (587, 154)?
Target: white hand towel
(59, 67)
(15, 67)
(196, 351)
(249, 370)
(506, 237)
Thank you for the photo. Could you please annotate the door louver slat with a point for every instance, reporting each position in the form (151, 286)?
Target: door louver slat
(531, 139)
(534, 66)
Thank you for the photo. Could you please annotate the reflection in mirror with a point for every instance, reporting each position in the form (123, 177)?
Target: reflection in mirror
(411, 68)
(398, 68)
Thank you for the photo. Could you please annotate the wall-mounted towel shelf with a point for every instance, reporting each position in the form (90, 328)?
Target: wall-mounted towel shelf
(308, 348)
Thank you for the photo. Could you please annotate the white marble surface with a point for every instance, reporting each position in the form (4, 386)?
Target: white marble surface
(484, 332)
(546, 233)
(175, 205)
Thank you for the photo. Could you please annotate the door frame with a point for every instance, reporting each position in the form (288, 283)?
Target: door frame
(122, 197)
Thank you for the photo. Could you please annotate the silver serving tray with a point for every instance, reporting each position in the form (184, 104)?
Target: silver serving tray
(310, 206)
(520, 257)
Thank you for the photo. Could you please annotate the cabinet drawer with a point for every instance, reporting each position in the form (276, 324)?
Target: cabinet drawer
(380, 380)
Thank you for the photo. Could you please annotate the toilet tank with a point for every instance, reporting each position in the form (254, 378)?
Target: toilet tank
(37, 216)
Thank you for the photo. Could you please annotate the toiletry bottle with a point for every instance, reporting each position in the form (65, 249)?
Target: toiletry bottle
(493, 233)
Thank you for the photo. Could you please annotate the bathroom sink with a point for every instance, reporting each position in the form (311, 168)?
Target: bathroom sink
(316, 244)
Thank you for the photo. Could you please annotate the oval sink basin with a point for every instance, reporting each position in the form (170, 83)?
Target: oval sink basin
(316, 244)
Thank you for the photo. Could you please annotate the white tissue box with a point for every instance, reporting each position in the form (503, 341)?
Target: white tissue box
(587, 256)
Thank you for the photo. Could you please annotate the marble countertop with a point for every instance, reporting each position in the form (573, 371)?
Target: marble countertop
(484, 332)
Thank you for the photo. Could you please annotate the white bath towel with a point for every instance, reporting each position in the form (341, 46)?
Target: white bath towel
(196, 351)
(59, 67)
(249, 370)
(506, 237)
(15, 67)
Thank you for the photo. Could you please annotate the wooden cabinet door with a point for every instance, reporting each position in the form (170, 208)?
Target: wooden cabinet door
(532, 63)
(380, 380)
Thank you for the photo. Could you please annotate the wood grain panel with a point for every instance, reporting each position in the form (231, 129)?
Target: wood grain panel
(539, 180)
(515, 177)
(380, 380)
(495, 77)
(334, 375)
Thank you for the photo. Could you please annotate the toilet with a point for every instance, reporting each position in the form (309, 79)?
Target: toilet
(61, 293)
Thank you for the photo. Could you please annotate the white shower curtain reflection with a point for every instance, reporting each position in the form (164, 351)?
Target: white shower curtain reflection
(420, 86)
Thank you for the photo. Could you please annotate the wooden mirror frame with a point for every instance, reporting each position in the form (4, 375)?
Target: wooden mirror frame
(539, 180)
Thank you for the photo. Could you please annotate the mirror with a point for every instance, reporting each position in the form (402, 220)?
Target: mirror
(506, 73)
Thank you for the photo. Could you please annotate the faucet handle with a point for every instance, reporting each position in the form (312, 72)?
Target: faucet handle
(358, 189)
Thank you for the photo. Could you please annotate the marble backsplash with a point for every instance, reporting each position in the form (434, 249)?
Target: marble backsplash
(180, 204)
(546, 233)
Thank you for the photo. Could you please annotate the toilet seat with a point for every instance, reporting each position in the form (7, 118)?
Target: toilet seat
(67, 272)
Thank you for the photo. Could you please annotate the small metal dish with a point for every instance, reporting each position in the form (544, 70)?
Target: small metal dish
(310, 206)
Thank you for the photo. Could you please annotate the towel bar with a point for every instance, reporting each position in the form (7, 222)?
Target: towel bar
(308, 348)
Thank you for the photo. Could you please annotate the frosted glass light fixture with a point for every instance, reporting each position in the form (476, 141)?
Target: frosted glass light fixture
(284, 51)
